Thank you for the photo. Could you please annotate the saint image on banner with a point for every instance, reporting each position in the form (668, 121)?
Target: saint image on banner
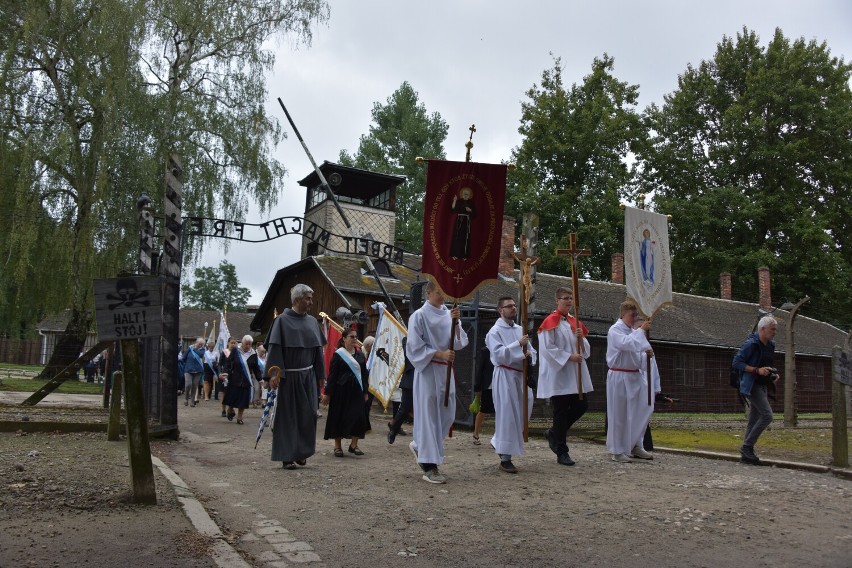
(462, 199)
(463, 207)
(647, 256)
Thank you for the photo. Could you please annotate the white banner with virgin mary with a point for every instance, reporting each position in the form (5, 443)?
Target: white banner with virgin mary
(647, 261)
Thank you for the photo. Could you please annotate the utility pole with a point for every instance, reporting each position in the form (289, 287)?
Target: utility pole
(790, 418)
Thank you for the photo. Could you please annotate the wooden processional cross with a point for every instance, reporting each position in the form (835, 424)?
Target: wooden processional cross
(574, 252)
(526, 261)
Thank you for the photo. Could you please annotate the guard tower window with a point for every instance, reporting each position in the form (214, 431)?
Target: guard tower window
(316, 196)
(381, 201)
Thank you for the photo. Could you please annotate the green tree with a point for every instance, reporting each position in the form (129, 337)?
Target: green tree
(752, 157)
(215, 288)
(95, 94)
(572, 165)
(402, 130)
(68, 67)
(205, 70)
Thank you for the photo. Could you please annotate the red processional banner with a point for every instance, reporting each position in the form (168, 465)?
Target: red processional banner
(462, 225)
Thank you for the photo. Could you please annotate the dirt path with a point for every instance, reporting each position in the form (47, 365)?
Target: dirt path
(376, 510)
(68, 506)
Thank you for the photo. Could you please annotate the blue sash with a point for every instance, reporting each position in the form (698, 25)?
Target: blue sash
(197, 358)
(246, 371)
(211, 362)
(353, 364)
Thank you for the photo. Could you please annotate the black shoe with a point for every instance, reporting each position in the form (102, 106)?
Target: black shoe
(391, 437)
(288, 465)
(508, 467)
(564, 459)
(548, 435)
(748, 456)
(402, 432)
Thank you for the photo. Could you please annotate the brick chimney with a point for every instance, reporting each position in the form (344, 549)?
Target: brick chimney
(618, 268)
(507, 247)
(725, 285)
(763, 281)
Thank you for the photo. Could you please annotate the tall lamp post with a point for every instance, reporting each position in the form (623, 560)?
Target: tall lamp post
(790, 418)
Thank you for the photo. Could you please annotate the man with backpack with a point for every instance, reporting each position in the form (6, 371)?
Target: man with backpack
(755, 362)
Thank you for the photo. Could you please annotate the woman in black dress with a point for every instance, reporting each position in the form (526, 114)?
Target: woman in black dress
(239, 368)
(345, 393)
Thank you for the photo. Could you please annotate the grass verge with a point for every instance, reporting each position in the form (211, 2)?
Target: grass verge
(69, 387)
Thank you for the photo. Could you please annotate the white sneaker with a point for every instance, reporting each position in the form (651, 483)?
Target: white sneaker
(433, 476)
(639, 452)
(621, 458)
(413, 451)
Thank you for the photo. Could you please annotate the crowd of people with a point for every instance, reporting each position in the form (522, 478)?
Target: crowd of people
(233, 375)
(242, 375)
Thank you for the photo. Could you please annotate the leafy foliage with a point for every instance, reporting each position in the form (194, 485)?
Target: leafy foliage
(572, 166)
(752, 157)
(402, 130)
(96, 94)
(216, 289)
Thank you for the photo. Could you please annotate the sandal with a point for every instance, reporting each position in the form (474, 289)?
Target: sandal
(355, 451)
(231, 415)
(338, 452)
(476, 440)
(239, 421)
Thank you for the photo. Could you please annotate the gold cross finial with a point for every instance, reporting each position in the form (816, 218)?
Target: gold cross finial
(469, 143)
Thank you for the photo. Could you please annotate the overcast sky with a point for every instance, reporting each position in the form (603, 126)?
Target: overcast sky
(473, 61)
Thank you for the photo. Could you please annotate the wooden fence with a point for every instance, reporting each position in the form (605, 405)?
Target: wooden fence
(20, 351)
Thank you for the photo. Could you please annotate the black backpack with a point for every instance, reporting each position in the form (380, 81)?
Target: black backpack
(735, 377)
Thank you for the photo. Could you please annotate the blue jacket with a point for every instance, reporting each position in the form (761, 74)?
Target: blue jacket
(749, 355)
(191, 363)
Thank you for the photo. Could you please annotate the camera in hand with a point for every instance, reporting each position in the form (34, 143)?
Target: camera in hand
(773, 374)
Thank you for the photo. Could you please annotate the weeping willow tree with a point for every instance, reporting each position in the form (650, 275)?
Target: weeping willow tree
(67, 72)
(95, 95)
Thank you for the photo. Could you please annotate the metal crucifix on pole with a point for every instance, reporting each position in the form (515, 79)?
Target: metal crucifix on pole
(574, 252)
(526, 262)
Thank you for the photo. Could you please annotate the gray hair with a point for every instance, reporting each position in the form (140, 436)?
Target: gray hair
(766, 321)
(299, 291)
(369, 340)
(247, 338)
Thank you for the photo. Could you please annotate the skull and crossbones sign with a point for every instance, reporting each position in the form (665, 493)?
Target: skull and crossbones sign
(128, 294)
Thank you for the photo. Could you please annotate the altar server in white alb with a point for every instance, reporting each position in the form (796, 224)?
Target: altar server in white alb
(428, 350)
(647, 441)
(557, 373)
(627, 406)
(508, 346)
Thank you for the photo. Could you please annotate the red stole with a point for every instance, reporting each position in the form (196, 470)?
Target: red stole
(552, 322)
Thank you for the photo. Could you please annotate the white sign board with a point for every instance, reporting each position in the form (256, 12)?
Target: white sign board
(128, 308)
